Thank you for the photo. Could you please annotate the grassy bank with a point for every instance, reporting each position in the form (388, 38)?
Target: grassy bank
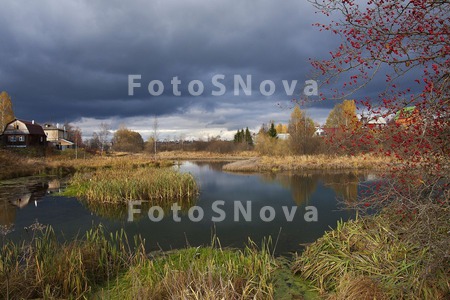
(309, 162)
(13, 165)
(199, 273)
(204, 155)
(369, 259)
(105, 266)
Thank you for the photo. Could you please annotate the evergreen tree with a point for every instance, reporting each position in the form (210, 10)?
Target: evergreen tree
(248, 137)
(272, 131)
(236, 137)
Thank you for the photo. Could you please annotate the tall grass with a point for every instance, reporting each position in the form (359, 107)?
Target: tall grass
(311, 162)
(120, 184)
(200, 273)
(367, 259)
(105, 266)
(46, 268)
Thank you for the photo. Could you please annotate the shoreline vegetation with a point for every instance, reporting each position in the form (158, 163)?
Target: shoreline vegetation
(372, 257)
(309, 162)
(14, 165)
(109, 266)
(120, 184)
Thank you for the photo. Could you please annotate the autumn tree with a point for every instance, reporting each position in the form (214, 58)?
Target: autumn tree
(74, 134)
(127, 140)
(301, 130)
(281, 128)
(405, 44)
(6, 110)
(343, 115)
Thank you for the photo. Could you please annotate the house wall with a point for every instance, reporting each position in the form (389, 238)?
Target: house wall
(54, 135)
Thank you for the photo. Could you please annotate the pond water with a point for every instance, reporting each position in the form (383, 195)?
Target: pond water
(288, 202)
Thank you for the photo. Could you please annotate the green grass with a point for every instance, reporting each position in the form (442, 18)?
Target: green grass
(199, 273)
(105, 266)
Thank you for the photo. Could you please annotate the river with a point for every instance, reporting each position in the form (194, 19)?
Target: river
(293, 208)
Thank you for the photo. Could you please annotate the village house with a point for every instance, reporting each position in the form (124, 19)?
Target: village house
(57, 136)
(22, 134)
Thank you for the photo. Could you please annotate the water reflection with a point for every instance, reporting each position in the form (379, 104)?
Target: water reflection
(18, 194)
(302, 186)
(119, 212)
(283, 190)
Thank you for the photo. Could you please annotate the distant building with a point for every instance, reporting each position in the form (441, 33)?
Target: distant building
(373, 121)
(57, 136)
(319, 132)
(407, 116)
(22, 134)
(324, 131)
(283, 136)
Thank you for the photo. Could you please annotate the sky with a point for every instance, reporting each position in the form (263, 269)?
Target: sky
(70, 61)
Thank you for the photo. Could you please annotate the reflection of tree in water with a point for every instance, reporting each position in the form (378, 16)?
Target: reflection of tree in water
(345, 185)
(7, 213)
(301, 185)
(119, 212)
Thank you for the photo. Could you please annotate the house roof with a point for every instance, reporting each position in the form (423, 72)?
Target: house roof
(64, 142)
(405, 112)
(33, 128)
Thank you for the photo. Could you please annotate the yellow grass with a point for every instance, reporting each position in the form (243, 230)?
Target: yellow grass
(310, 162)
(202, 155)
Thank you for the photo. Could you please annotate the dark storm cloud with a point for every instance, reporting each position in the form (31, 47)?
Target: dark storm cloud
(63, 60)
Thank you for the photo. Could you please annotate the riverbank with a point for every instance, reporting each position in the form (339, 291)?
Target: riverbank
(208, 156)
(100, 265)
(13, 165)
(310, 162)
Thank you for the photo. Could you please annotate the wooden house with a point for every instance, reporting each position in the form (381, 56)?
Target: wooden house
(21, 134)
(57, 136)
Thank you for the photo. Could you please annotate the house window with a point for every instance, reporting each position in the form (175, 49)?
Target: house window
(21, 138)
(12, 138)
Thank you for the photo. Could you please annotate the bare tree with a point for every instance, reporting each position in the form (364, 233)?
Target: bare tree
(155, 133)
(103, 135)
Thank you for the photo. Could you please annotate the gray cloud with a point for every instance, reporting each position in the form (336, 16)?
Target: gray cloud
(70, 60)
